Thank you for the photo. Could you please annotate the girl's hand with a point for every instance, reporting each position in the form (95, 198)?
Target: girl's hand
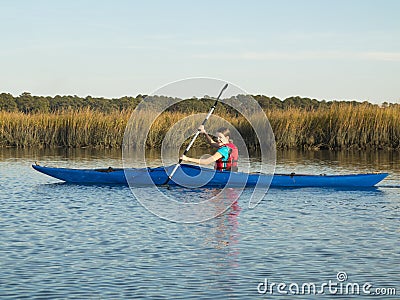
(184, 158)
(201, 129)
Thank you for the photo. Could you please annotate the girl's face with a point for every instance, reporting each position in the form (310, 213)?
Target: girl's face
(221, 138)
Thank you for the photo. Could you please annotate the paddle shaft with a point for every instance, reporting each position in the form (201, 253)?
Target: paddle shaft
(196, 134)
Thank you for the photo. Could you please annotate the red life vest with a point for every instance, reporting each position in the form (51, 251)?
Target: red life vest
(231, 163)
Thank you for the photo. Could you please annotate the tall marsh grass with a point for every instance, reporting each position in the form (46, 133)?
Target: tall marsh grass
(82, 128)
(341, 126)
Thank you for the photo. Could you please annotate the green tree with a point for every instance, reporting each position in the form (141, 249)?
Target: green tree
(30, 104)
(25, 102)
(7, 102)
(40, 104)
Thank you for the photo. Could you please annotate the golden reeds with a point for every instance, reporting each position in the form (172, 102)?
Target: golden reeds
(341, 126)
(83, 128)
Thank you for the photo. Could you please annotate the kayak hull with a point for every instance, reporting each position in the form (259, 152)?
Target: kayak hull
(194, 176)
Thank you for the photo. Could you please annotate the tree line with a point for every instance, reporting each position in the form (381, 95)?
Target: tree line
(28, 103)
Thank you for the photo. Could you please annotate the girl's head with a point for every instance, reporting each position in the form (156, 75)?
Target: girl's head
(223, 134)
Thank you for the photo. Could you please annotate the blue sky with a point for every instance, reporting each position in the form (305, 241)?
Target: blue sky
(318, 49)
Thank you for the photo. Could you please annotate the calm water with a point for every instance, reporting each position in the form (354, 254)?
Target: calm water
(69, 241)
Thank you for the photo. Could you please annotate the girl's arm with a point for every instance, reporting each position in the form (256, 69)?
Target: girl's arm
(202, 161)
(209, 139)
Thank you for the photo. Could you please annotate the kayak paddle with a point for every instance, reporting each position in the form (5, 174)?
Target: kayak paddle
(196, 135)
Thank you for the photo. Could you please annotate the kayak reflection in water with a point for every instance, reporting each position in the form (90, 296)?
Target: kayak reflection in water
(227, 155)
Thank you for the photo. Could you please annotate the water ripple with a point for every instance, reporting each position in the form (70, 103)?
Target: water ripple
(66, 241)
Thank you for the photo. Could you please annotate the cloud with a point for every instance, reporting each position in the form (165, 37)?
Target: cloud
(385, 56)
(306, 55)
(219, 41)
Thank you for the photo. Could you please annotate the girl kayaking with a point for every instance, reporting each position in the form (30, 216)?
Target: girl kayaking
(227, 155)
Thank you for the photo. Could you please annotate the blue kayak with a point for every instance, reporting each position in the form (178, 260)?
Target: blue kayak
(194, 176)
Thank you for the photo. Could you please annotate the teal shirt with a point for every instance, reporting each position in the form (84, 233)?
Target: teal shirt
(224, 151)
